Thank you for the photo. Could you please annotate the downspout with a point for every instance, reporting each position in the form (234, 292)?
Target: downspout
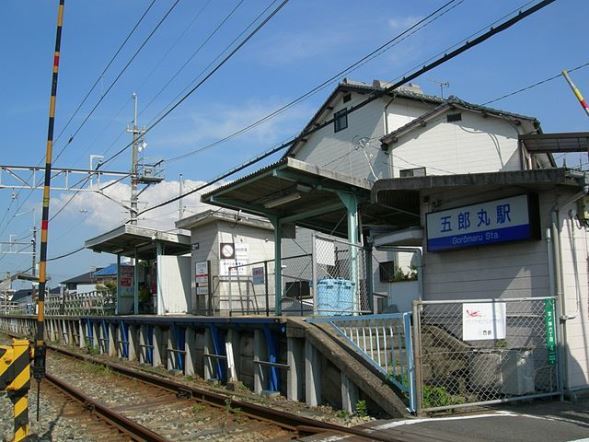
(386, 132)
(558, 278)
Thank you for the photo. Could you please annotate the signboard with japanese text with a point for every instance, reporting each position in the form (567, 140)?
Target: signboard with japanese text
(483, 320)
(491, 222)
(240, 255)
(127, 273)
(550, 331)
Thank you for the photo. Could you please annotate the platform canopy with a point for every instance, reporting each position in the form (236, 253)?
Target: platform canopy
(141, 242)
(566, 142)
(292, 192)
(296, 192)
(405, 192)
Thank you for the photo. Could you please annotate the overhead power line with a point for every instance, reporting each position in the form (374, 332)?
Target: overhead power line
(117, 78)
(201, 82)
(430, 18)
(533, 85)
(377, 94)
(101, 75)
(195, 53)
(65, 255)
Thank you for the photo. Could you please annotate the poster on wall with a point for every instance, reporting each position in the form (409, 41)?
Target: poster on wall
(201, 277)
(240, 253)
(258, 275)
(127, 277)
(483, 320)
(325, 252)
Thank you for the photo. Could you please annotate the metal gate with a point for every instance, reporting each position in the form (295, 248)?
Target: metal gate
(484, 351)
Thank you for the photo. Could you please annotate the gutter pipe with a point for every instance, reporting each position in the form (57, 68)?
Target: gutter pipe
(557, 277)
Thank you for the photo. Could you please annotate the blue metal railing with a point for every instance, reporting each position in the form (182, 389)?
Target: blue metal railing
(384, 341)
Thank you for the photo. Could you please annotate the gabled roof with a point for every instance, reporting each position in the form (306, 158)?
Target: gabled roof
(109, 270)
(84, 278)
(405, 93)
(231, 216)
(21, 294)
(450, 104)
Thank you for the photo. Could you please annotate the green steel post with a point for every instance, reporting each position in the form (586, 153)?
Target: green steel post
(350, 202)
(277, 266)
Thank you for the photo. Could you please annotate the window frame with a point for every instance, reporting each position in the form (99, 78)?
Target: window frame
(339, 116)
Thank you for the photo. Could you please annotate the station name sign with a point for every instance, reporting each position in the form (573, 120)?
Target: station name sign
(490, 222)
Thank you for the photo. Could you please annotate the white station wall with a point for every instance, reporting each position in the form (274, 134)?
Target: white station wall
(173, 285)
(519, 269)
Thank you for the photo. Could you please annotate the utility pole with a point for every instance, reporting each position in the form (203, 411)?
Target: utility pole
(137, 133)
(576, 91)
(34, 245)
(180, 191)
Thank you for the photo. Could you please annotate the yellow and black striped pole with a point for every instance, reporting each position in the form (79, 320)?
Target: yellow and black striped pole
(15, 376)
(39, 357)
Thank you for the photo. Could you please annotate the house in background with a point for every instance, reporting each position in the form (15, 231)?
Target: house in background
(407, 133)
(84, 283)
(109, 273)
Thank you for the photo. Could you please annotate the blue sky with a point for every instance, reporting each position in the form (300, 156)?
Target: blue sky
(306, 43)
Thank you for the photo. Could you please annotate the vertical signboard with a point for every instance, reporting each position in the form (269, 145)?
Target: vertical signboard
(201, 278)
(550, 331)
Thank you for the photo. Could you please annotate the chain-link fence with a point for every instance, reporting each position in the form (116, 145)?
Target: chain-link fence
(339, 275)
(472, 352)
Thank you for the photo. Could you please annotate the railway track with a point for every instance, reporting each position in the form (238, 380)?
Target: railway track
(145, 406)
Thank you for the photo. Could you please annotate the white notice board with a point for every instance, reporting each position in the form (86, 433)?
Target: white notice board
(483, 320)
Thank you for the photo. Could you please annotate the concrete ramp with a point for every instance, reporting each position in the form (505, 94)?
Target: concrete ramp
(357, 377)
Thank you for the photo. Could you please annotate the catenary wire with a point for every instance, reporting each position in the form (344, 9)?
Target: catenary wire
(98, 79)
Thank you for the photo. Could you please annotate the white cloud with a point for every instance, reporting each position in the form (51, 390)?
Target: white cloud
(103, 214)
(289, 49)
(220, 120)
(402, 23)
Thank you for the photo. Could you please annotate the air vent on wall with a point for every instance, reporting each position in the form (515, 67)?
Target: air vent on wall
(450, 118)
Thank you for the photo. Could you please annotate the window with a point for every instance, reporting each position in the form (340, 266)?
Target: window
(386, 271)
(340, 120)
(406, 173)
(450, 118)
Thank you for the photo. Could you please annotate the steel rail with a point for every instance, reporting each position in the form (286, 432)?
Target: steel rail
(284, 419)
(127, 426)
